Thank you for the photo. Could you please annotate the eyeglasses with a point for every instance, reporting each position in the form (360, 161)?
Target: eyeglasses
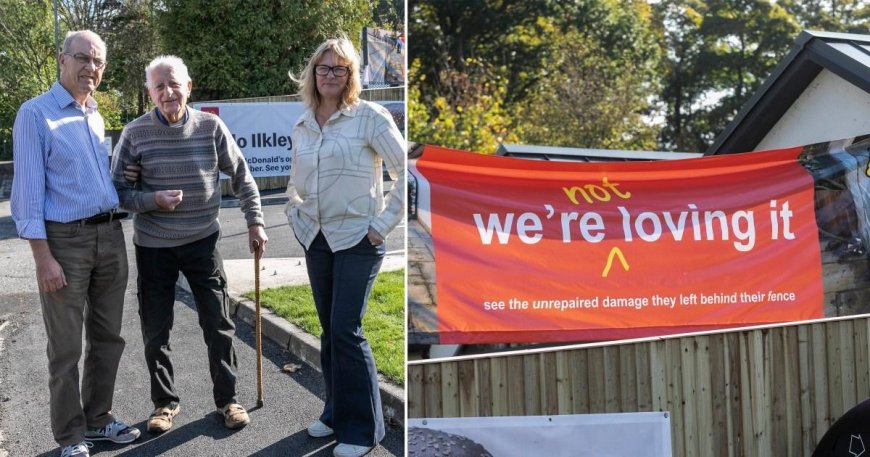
(337, 71)
(85, 59)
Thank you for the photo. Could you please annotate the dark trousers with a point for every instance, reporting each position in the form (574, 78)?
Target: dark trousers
(94, 262)
(341, 283)
(202, 265)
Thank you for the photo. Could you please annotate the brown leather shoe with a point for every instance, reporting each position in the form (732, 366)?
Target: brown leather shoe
(161, 419)
(234, 415)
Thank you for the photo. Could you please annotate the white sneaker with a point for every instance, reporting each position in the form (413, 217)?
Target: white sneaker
(77, 450)
(350, 450)
(318, 430)
(115, 431)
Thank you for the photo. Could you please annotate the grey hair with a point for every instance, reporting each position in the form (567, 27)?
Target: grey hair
(74, 34)
(173, 62)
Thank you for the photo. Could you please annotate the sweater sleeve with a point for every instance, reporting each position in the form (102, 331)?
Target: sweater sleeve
(387, 141)
(130, 197)
(232, 163)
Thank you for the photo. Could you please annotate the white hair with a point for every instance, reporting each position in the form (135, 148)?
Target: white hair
(166, 61)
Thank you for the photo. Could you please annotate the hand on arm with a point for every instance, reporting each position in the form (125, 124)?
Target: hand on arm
(257, 237)
(49, 273)
(131, 172)
(167, 199)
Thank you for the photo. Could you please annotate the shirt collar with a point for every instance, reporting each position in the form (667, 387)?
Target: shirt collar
(63, 98)
(165, 121)
(309, 119)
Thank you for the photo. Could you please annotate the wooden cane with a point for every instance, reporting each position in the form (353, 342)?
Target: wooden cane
(258, 329)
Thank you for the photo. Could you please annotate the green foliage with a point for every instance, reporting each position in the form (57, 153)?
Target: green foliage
(133, 41)
(26, 59)
(109, 105)
(852, 16)
(557, 73)
(384, 321)
(743, 41)
(238, 48)
(472, 117)
(598, 83)
(679, 22)
(389, 15)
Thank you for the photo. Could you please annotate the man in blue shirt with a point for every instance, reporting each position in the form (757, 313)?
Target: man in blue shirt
(63, 202)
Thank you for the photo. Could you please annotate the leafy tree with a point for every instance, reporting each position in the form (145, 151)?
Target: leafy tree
(720, 54)
(743, 41)
(133, 40)
(389, 14)
(851, 16)
(599, 79)
(237, 48)
(680, 22)
(458, 36)
(579, 73)
(473, 118)
(26, 57)
(95, 15)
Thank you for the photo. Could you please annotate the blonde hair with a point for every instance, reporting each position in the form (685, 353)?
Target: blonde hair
(346, 54)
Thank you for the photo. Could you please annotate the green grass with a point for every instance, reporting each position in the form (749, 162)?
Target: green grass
(383, 323)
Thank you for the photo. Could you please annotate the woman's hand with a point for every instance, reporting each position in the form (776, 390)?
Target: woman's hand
(375, 238)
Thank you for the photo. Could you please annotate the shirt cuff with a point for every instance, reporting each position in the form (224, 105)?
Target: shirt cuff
(31, 229)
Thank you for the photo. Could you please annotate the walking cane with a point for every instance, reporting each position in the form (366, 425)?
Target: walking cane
(258, 329)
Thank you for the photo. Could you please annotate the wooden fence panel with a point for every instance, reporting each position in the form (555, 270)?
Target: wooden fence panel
(763, 391)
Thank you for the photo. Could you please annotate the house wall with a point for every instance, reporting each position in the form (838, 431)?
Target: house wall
(830, 108)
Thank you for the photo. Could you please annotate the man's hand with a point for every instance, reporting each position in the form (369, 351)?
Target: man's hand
(257, 237)
(49, 273)
(167, 199)
(131, 172)
(375, 238)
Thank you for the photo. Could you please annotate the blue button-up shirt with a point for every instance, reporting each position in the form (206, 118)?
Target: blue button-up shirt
(61, 166)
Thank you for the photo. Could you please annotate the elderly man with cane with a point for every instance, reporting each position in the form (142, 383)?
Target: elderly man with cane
(180, 153)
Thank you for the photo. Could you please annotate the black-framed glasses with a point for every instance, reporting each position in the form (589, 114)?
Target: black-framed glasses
(85, 59)
(338, 71)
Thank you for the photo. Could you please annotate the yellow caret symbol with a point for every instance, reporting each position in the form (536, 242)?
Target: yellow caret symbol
(614, 252)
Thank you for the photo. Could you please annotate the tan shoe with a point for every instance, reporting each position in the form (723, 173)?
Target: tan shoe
(161, 419)
(234, 415)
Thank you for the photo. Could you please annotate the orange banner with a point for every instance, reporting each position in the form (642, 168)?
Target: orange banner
(535, 251)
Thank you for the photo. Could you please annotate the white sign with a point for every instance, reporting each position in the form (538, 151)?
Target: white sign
(579, 435)
(262, 131)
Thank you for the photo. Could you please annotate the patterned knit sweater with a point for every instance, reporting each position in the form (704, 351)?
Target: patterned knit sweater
(188, 157)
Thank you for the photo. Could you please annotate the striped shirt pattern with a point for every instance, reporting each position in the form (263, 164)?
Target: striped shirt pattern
(61, 167)
(187, 157)
(336, 179)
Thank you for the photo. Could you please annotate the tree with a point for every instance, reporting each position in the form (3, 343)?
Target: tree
(389, 14)
(743, 41)
(236, 48)
(851, 16)
(473, 118)
(720, 54)
(560, 73)
(26, 57)
(680, 22)
(94, 15)
(133, 40)
(601, 73)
